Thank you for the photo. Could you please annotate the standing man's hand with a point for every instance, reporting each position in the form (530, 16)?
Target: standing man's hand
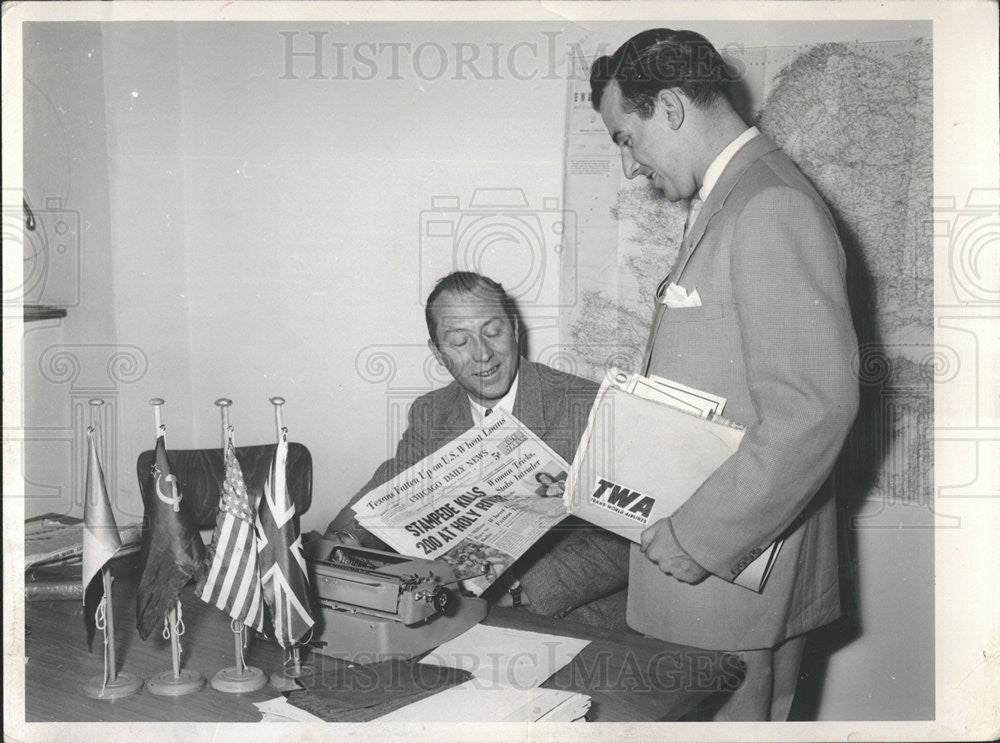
(660, 546)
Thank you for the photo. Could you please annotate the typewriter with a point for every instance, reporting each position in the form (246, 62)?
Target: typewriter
(379, 605)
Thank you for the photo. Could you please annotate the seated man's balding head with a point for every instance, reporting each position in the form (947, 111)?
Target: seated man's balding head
(474, 333)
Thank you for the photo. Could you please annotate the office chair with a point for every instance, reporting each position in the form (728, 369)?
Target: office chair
(200, 473)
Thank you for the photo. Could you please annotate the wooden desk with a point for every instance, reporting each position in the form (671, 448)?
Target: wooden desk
(629, 677)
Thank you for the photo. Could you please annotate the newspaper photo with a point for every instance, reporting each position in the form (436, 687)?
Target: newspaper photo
(478, 503)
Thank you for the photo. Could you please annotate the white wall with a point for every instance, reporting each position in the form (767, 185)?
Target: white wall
(248, 236)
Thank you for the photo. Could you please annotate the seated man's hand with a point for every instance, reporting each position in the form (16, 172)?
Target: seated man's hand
(660, 546)
(346, 538)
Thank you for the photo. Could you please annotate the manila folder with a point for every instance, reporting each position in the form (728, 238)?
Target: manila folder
(639, 460)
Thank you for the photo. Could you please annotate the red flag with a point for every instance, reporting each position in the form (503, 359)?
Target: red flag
(172, 550)
(100, 532)
(233, 580)
(284, 579)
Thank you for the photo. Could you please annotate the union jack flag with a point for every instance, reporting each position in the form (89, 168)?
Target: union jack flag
(233, 580)
(282, 563)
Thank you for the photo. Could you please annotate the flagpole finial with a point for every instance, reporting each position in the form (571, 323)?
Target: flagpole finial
(156, 402)
(223, 404)
(277, 402)
(95, 404)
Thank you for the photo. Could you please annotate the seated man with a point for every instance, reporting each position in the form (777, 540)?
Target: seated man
(474, 334)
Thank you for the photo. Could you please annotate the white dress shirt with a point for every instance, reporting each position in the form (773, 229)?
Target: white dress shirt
(722, 160)
(506, 403)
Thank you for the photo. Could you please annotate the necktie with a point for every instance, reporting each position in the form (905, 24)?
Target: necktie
(488, 412)
(694, 209)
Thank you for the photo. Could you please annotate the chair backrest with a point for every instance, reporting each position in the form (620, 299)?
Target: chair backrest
(200, 473)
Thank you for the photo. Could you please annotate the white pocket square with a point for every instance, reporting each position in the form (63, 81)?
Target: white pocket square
(675, 296)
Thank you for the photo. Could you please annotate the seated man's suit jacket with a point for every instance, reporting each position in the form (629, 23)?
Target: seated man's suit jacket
(774, 336)
(566, 569)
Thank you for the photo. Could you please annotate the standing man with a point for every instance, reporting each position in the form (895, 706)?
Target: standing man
(772, 334)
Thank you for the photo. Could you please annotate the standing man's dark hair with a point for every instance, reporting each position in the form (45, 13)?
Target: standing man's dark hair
(663, 58)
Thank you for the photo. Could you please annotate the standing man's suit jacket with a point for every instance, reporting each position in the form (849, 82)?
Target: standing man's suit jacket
(553, 404)
(774, 336)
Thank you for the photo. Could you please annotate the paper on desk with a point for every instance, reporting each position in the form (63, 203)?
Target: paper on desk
(570, 709)
(463, 703)
(280, 710)
(553, 705)
(469, 702)
(502, 657)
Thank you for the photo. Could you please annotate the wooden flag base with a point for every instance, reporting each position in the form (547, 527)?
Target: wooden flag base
(122, 685)
(168, 684)
(285, 680)
(233, 680)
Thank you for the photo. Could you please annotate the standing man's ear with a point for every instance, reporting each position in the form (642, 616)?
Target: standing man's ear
(672, 105)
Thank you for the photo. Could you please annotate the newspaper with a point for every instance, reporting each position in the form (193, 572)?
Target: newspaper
(477, 503)
(54, 538)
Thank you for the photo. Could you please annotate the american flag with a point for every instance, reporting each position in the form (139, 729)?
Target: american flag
(282, 564)
(233, 580)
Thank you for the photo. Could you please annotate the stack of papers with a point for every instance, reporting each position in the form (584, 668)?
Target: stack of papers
(676, 395)
(53, 539)
(507, 665)
(462, 704)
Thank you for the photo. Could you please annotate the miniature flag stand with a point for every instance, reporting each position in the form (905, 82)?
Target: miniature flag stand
(100, 542)
(175, 681)
(234, 551)
(289, 607)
